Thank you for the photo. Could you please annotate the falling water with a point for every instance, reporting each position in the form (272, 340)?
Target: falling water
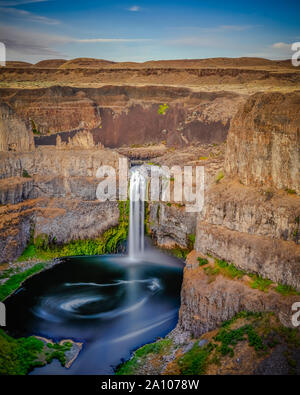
(137, 193)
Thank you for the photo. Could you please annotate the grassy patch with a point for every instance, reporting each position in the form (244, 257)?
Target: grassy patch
(263, 284)
(286, 290)
(202, 261)
(18, 356)
(14, 282)
(228, 269)
(195, 360)
(159, 348)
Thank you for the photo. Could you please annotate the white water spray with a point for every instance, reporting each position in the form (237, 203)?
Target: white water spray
(137, 195)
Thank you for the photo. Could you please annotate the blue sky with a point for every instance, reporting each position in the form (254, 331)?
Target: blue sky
(144, 30)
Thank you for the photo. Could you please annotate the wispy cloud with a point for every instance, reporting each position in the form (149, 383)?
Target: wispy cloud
(226, 28)
(279, 50)
(13, 3)
(109, 40)
(28, 44)
(28, 16)
(282, 46)
(134, 8)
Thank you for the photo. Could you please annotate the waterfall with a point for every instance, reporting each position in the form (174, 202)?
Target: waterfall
(137, 194)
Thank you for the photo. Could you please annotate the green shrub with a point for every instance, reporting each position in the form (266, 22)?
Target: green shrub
(220, 176)
(25, 174)
(163, 109)
(202, 261)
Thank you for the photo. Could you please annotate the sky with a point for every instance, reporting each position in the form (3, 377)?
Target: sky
(141, 30)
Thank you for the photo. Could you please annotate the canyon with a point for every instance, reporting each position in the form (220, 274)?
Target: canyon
(61, 120)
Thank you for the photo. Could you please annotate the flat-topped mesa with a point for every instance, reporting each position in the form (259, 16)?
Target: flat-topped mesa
(263, 141)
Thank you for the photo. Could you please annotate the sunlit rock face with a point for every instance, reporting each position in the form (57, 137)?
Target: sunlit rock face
(206, 304)
(251, 218)
(60, 219)
(125, 115)
(15, 134)
(264, 139)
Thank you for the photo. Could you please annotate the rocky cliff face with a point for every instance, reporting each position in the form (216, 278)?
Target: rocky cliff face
(52, 191)
(171, 226)
(207, 301)
(126, 115)
(264, 139)
(15, 134)
(250, 218)
(50, 161)
(62, 220)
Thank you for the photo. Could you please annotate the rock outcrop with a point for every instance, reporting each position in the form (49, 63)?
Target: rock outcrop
(46, 161)
(205, 304)
(53, 192)
(171, 226)
(15, 134)
(62, 220)
(248, 219)
(264, 140)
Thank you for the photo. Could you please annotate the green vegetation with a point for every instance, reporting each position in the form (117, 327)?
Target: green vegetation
(19, 356)
(203, 158)
(179, 252)
(192, 239)
(286, 290)
(159, 348)
(230, 337)
(220, 176)
(258, 282)
(163, 109)
(211, 271)
(45, 249)
(263, 284)
(290, 191)
(202, 261)
(195, 360)
(25, 174)
(58, 352)
(229, 270)
(14, 282)
(34, 128)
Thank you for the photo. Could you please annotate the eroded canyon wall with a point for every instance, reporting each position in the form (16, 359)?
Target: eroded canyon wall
(125, 115)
